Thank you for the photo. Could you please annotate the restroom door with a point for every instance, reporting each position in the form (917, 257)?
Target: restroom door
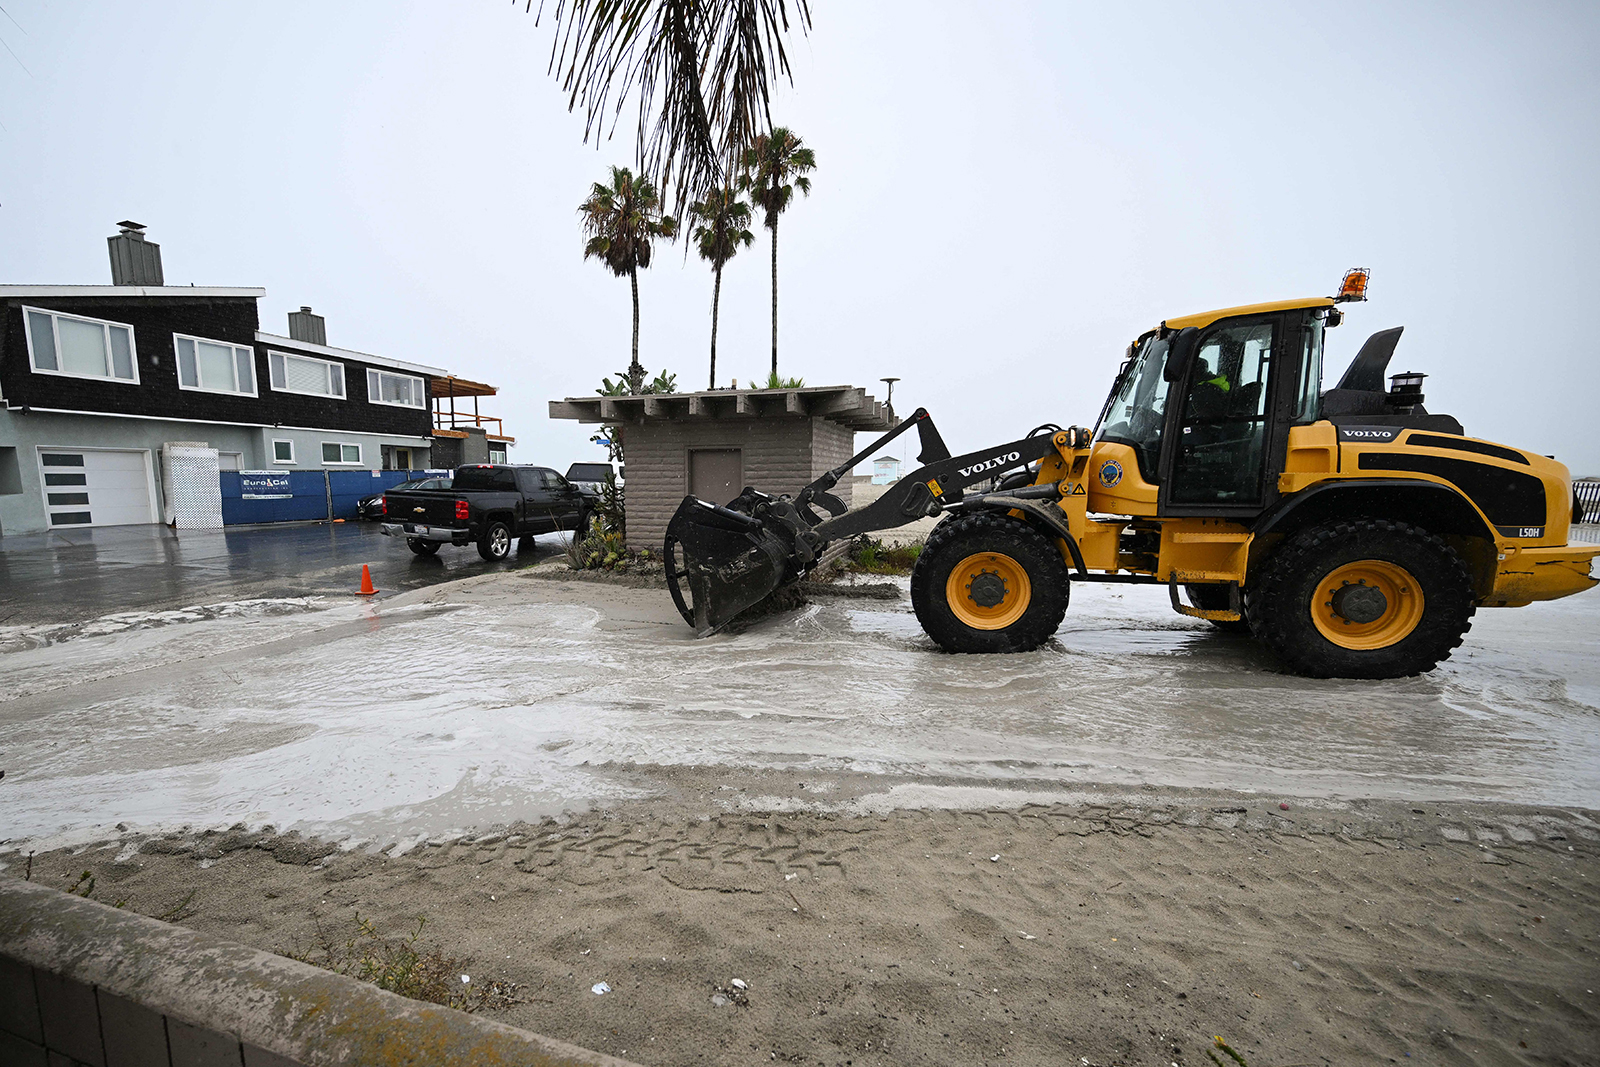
(716, 474)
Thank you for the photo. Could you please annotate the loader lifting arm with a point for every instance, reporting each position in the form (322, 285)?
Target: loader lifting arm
(731, 557)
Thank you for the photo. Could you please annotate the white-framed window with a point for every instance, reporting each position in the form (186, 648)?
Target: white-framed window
(230, 461)
(302, 374)
(80, 347)
(497, 453)
(341, 453)
(399, 390)
(215, 366)
(282, 451)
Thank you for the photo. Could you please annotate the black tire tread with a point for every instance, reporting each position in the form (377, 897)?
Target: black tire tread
(483, 542)
(999, 533)
(1274, 616)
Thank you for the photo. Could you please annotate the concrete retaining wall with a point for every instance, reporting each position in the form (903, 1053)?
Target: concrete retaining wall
(83, 983)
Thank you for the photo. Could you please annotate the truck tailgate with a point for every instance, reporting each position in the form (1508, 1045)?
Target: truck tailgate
(432, 507)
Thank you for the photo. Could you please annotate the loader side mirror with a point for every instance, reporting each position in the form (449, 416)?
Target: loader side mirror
(1183, 345)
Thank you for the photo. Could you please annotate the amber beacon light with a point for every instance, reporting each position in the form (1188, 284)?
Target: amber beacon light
(1354, 286)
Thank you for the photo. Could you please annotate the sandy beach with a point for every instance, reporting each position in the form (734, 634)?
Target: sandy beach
(1116, 930)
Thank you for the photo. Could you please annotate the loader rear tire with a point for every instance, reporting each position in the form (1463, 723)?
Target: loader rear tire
(1362, 598)
(986, 582)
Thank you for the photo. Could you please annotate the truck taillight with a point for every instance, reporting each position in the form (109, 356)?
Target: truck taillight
(461, 509)
(383, 506)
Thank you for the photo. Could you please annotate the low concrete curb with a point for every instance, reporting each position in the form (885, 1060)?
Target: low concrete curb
(82, 982)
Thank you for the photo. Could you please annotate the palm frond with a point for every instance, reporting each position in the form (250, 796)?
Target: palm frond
(701, 70)
(722, 225)
(622, 221)
(774, 165)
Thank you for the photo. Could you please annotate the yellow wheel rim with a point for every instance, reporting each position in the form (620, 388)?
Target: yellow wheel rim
(988, 591)
(1370, 603)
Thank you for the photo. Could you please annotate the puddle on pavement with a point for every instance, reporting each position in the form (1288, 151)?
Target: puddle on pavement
(22, 638)
(382, 722)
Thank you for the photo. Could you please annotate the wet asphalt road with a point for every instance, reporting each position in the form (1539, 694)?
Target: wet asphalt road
(63, 577)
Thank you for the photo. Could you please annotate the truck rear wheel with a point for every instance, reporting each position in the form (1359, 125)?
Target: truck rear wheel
(495, 542)
(1364, 598)
(989, 583)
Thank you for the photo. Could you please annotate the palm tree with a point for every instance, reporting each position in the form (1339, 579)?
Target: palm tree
(724, 226)
(622, 221)
(775, 165)
(700, 68)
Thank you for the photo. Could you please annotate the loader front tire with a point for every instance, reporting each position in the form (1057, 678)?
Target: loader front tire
(986, 582)
(1361, 598)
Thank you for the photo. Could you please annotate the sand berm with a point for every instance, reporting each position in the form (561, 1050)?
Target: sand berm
(1123, 927)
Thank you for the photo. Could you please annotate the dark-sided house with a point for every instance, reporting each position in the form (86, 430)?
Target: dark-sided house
(96, 379)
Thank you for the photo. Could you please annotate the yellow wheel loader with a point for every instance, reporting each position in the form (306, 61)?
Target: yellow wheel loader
(1351, 530)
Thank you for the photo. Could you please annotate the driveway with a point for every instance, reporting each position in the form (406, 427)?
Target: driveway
(72, 576)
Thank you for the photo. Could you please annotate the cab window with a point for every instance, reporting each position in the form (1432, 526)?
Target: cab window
(1308, 404)
(1221, 449)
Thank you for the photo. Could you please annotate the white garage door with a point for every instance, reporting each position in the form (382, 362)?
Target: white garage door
(95, 487)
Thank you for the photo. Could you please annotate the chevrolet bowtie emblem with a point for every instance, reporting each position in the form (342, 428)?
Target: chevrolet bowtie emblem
(419, 511)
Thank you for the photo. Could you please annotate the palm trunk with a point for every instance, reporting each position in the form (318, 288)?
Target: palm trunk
(716, 298)
(635, 371)
(774, 297)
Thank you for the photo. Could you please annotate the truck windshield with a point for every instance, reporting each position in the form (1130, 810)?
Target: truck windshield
(588, 472)
(1136, 414)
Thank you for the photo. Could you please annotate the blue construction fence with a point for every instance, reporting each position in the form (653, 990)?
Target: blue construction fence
(301, 496)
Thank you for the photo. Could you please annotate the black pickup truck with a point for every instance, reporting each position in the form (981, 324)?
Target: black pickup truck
(487, 504)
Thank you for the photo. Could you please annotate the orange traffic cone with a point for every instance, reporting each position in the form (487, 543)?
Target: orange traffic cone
(366, 582)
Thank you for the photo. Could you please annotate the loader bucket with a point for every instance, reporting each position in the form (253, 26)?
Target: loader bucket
(728, 560)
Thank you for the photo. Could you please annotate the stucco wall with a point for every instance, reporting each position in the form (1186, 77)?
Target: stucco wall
(22, 511)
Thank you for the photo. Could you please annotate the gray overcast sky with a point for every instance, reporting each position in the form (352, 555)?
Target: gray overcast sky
(1006, 194)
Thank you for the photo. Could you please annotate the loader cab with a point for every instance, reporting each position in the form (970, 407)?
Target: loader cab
(1206, 403)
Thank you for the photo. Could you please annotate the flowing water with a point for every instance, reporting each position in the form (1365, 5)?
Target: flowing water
(384, 720)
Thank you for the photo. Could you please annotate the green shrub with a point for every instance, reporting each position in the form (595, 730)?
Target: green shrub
(868, 555)
(407, 967)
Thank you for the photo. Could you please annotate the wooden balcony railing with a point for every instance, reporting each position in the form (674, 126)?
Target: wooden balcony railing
(454, 420)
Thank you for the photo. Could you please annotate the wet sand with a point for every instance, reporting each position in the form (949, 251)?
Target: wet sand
(1114, 930)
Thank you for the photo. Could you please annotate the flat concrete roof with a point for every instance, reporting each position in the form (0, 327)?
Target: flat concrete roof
(24, 291)
(347, 353)
(846, 405)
